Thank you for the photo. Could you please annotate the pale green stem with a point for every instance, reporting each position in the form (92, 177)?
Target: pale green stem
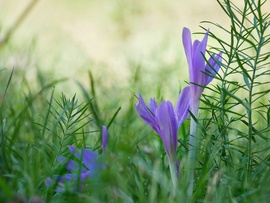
(173, 171)
(192, 148)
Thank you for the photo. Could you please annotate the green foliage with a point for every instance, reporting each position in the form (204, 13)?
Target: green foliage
(37, 124)
(240, 132)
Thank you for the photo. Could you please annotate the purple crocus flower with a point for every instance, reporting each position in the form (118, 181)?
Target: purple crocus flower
(200, 72)
(90, 165)
(166, 120)
(200, 75)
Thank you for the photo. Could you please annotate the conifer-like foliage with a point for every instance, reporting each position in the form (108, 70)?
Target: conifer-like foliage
(239, 111)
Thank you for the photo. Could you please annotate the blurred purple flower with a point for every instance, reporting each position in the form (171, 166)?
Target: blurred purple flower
(104, 137)
(87, 170)
(78, 173)
(166, 120)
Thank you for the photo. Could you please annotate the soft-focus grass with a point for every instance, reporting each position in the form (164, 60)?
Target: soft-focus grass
(127, 48)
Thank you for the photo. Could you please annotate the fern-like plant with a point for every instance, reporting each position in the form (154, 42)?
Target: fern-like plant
(236, 136)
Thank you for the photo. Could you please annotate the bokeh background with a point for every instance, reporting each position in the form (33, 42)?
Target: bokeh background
(129, 46)
(111, 38)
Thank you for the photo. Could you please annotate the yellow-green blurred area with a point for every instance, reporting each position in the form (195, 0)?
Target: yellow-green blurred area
(67, 38)
(70, 37)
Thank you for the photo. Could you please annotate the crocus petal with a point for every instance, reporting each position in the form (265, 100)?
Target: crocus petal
(182, 106)
(187, 42)
(212, 67)
(48, 182)
(62, 179)
(68, 177)
(104, 137)
(72, 149)
(196, 63)
(71, 165)
(153, 105)
(198, 54)
(196, 74)
(89, 158)
(66, 182)
(88, 174)
(59, 179)
(168, 128)
(147, 115)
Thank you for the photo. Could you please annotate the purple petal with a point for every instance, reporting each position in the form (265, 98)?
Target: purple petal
(195, 46)
(63, 179)
(48, 182)
(71, 165)
(89, 158)
(212, 67)
(153, 105)
(187, 42)
(146, 114)
(69, 179)
(104, 137)
(182, 106)
(72, 149)
(168, 128)
(198, 61)
(58, 179)
(87, 174)
(195, 57)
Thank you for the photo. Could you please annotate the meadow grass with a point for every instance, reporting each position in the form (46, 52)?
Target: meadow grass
(38, 123)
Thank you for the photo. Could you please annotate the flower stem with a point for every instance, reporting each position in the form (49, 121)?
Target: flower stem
(174, 173)
(192, 148)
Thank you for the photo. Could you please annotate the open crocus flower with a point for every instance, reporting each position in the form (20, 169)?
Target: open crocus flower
(200, 75)
(78, 173)
(166, 120)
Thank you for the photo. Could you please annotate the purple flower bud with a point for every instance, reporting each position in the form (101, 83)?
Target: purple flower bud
(200, 73)
(104, 137)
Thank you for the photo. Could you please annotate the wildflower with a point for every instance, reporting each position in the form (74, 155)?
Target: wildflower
(89, 161)
(200, 75)
(78, 173)
(166, 120)
(104, 137)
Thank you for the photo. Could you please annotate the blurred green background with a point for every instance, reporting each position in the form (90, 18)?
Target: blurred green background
(111, 38)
